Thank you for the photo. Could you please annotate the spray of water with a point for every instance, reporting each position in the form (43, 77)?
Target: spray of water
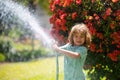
(8, 12)
(10, 9)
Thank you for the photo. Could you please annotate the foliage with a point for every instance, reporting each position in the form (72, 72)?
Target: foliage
(2, 57)
(5, 46)
(44, 4)
(103, 19)
(12, 53)
(32, 3)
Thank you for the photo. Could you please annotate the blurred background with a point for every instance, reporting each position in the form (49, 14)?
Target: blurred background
(23, 56)
(18, 43)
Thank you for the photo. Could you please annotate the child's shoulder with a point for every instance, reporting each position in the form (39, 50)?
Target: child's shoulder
(82, 48)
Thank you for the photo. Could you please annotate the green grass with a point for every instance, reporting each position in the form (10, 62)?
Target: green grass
(42, 69)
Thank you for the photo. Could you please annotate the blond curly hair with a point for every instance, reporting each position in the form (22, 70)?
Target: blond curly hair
(81, 27)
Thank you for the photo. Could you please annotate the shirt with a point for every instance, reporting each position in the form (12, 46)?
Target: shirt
(73, 67)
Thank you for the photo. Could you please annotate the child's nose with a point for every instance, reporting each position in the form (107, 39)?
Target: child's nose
(78, 39)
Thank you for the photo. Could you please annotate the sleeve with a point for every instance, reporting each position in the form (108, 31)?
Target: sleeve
(64, 46)
(82, 51)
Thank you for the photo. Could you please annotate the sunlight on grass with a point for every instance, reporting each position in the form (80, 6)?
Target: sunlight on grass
(42, 69)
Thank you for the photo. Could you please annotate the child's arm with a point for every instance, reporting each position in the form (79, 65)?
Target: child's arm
(66, 52)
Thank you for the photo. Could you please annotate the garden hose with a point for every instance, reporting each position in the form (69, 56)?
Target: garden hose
(57, 62)
(57, 67)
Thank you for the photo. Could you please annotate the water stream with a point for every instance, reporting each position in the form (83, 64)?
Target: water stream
(14, 13)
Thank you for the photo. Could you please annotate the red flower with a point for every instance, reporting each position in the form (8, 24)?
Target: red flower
(118, 18)
(57, 1)
(52, 5)
(63, 21)
(90, 18)
(78, 2)
(118, 46)
(60, 12)
(116, 37)
(64, 3)
(104, 16)
(74, 15)
(114, 1)
(99, 35)
(96, 16)
(67, 2)
(53, 18)
(58, 22)
(112, 25)
(108, 11)
(63, 16)
(92, 47)
(64, 28)
(92, 1)
(92, 29)
(117, 12)
(113, 55)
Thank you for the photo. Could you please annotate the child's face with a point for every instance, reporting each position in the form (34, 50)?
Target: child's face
(78, 39)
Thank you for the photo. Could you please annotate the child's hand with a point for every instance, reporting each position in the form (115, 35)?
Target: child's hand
(55, 46)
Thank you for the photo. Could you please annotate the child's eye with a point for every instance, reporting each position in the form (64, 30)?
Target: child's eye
(81, 36)
(76, 36)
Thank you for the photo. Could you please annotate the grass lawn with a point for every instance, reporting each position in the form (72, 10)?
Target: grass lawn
(41, 69)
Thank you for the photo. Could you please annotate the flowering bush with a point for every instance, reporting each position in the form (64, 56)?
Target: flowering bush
(103, 19)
